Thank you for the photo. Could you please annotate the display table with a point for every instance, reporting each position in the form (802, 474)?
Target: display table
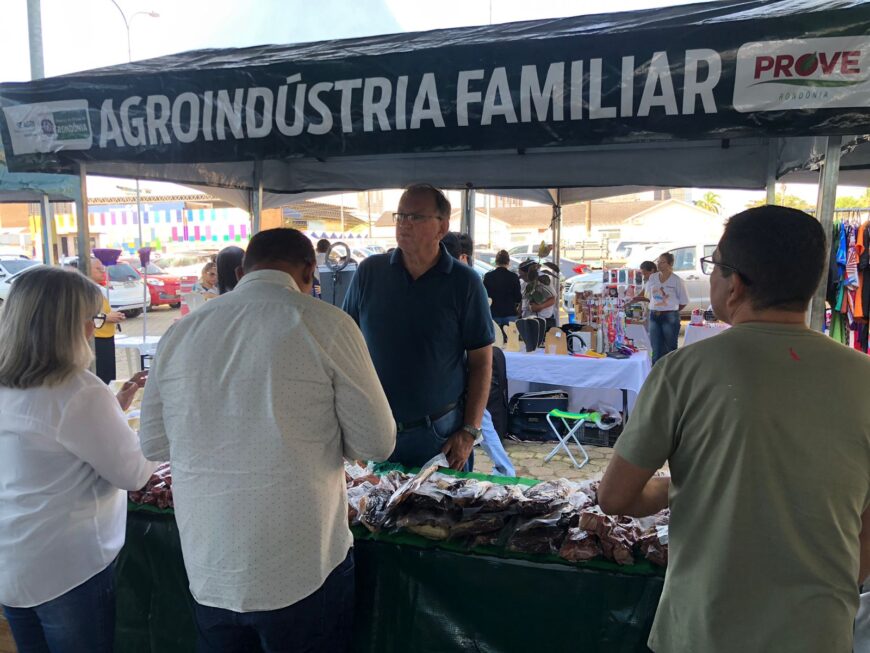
(625, 377)
(413, 594)
(696, 333)
(135, 348)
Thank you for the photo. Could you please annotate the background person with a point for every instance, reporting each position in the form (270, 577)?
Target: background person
(208, 280)
(539, 293)
(426, 322)
(756, 487)
(65, 450)
(229, 268)
(503, 287)
(104, 334)
(321, 250)
(258, 427)
(667, 297)
(491, 443)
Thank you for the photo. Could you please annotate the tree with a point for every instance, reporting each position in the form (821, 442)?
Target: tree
(782, 199)
(851, 202)
(710, 202)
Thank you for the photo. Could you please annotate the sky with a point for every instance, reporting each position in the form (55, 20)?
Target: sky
(85, 34)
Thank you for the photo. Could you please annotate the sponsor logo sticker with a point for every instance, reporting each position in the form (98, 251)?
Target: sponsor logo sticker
(803, 74)
(49, 127)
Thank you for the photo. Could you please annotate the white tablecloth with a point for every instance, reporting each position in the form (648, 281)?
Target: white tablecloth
(696, 333)
(640, 335)
(135, 347)
(589, 380)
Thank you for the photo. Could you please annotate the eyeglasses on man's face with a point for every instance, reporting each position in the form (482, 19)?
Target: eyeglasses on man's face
(708, 265)
(412, 218)
(99, 320)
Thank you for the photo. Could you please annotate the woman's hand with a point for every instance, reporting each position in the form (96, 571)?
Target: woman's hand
(128, 390)
(115, 317)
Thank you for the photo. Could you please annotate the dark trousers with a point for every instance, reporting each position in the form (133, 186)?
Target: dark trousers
(83, 619)
(105, 350)
(664, 332)
(415, 447)
(320, 623)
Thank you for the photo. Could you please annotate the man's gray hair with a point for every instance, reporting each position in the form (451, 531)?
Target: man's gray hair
(442, 204)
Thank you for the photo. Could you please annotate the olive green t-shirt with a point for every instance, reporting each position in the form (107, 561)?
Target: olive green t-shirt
(766, 429)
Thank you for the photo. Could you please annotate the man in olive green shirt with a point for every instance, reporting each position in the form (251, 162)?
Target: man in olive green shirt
(766, 430)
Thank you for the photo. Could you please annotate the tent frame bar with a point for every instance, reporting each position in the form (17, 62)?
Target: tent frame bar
(83, 232)
(828, 178)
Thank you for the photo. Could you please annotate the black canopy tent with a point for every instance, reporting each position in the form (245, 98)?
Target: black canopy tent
(728, 94)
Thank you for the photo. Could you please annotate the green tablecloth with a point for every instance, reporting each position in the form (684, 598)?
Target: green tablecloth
(413, 595)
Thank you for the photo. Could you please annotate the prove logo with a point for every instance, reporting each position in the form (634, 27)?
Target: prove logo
(830, 69)
(803, 74)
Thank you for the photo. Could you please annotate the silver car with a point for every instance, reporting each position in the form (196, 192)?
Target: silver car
(10, 268)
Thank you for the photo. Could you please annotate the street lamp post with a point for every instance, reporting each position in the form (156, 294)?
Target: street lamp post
(145, 292)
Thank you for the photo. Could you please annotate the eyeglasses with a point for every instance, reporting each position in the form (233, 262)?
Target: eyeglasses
(413, 218)
(708, 265)
(99, 320)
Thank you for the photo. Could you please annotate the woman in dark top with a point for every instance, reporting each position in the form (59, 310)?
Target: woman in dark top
(503, 288)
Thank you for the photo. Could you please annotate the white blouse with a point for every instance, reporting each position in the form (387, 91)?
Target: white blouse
(64, 452)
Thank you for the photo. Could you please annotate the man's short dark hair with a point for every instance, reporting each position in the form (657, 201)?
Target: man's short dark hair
(322, 246)
(502, 258)
(780, 254)
(668, 256)
(279, 245)
(649, 266)
(442, 204)
(451, 244)
(466, 245)
(227, 260)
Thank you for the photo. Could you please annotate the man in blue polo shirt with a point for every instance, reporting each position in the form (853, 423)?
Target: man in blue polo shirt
(426, 321)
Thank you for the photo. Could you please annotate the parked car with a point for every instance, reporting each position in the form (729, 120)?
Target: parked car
(164, 288)
(124, 287)
(588, 281)
(10, 268)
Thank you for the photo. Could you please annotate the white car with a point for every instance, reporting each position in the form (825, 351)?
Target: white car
(10, 268)
(588, 281)
(124, 287)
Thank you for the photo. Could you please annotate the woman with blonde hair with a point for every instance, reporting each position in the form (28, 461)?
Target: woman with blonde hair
(65, 450)
(208, 279)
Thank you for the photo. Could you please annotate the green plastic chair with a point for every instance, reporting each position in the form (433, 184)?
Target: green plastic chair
(579, 423)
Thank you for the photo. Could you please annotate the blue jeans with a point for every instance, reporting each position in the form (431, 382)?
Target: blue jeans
(501, 462)
(415, 447)
(83, 619)
(664, 331)
(322, 622)
(504, 321)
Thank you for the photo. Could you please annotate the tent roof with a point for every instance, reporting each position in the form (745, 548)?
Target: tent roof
(474, 105)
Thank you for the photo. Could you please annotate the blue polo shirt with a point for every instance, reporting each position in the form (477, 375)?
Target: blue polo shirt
(418, 331)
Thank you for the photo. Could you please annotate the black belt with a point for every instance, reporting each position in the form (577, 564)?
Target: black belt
(425, 421)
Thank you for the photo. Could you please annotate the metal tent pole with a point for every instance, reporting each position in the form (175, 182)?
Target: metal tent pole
(772, 165)
(257, 197)
(46, 217)
(828, 178)
(83, 233)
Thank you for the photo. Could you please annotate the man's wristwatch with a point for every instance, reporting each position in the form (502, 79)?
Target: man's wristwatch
(474, 432)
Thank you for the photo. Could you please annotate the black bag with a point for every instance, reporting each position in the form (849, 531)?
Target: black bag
(497, 404)
(528, 414)
(533, 331)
